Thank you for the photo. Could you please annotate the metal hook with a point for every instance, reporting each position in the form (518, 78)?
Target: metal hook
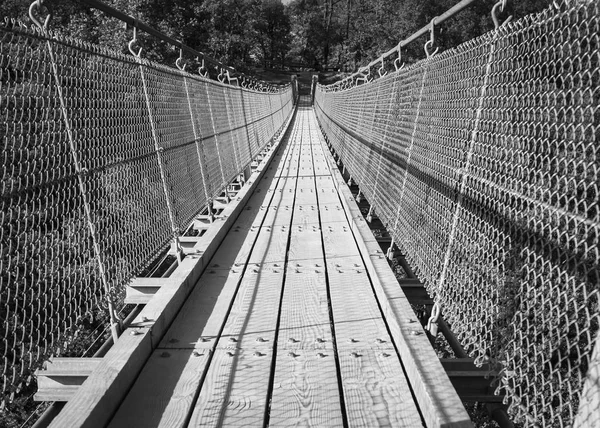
(429, 44)
(229, 78)
(221, 76)
(381, 68)
(399, 59)
(38, 4)
(132, 42)
(178, 61)
(203, 70)
(500, 5)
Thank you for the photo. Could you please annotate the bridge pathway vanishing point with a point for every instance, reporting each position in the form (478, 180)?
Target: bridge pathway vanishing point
(285, 327)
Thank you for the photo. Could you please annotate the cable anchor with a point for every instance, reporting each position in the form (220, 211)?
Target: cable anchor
(133, 42)
(179, 60)
(429, 43)
(432, 323)
(398, 60)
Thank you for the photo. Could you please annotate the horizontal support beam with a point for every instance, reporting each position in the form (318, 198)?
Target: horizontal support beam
(62, 377)
(472, 383)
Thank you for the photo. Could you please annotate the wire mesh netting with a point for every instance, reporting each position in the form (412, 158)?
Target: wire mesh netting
(483, 163)
(104, 158)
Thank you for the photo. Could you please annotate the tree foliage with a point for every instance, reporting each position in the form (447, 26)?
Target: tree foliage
(318, 34)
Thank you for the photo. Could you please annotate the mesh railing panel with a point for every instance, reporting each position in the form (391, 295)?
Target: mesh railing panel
(104, 157)
(483, 163)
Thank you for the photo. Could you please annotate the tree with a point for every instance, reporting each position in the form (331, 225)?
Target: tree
(273, 32)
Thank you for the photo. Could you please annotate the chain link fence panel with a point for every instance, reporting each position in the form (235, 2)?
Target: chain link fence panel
(483, 163)
(104, 158)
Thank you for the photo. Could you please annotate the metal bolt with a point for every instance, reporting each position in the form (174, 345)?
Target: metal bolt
(320, 340)
(231, 354)
(352, 340)
(258, 354)
(260, 339)
(321, 355)
(416, 333)
(145, 319)
(355, 354)
(135, 332)
(385, 354)
(165, 355)
(197, 354)
(292, 340)
(233, 339)
(379, 340)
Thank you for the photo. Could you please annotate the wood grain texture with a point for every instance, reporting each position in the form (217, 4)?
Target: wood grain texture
(163, 394)
(305, 390)
(234, 393)
(376, 391)
(237, 381)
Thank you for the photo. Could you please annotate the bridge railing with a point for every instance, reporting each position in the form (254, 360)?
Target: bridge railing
(483, 164)
(106, 158)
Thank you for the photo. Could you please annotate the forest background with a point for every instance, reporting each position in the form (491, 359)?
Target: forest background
(254, 35)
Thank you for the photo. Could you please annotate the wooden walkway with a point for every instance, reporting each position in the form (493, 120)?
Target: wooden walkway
(285, 327)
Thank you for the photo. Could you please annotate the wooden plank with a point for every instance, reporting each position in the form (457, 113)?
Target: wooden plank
(254, 312)
(164, 392)
(305, 322)
(234, 392)
(103, 390)
(376, 391)
(439, 403)
(61, 378)
(69, 363)
(201, 318)
(100, 395)
(305, 390)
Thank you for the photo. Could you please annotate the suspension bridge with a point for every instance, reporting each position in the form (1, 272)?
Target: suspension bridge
(375, 252)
